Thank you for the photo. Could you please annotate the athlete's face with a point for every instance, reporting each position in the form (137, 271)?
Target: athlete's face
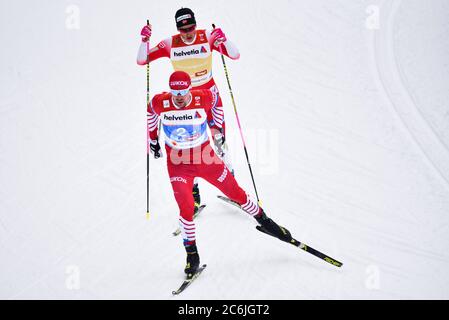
(181, 100)
(188, 32)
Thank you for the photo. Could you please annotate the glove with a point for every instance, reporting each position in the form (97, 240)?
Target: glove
(219, 140)
(146, 33)
(155, 149)
(218, 37)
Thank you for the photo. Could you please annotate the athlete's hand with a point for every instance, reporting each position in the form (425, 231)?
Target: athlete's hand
(219, 140)
(146, 33)
(155, 149)
(217, 37)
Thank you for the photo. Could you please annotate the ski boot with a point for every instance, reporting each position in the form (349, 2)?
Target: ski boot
(193, 260)
(273, 228)
(196, 198)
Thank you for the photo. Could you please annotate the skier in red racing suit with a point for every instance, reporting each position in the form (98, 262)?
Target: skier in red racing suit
(185, 115)
(191, 51)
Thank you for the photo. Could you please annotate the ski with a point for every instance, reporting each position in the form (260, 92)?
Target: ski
(226, 199)
(294, 242)
(200, 208)
(306, 248)
(190, 278)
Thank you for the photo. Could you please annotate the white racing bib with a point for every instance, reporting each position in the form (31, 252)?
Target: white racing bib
(184, 129)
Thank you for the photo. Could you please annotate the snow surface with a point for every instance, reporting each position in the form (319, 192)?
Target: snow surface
(346, 118)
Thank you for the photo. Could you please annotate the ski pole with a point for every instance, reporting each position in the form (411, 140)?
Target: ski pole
(238, 121)
(148, 148)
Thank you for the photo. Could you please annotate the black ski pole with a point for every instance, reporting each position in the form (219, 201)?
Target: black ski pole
(238, 123)
(148, 150)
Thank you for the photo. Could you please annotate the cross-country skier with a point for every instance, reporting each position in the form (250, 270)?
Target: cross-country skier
(185, 115)
(191, 51)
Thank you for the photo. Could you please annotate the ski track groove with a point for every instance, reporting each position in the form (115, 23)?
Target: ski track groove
(385, 42)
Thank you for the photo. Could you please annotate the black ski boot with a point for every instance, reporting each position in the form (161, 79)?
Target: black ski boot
(273, 228)
(196, 197)
(193, 260)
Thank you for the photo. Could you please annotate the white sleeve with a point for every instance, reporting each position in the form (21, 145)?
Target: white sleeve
(231, 50)
(142, 55)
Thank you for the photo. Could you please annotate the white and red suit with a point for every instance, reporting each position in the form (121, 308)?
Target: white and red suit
(195, 58)
(189, 153)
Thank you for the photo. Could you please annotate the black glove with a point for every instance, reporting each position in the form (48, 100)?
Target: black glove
(155, 149)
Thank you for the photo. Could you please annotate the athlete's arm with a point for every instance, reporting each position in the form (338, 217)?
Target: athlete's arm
(153, 119)
(146, 55)
(215, 114)
(227, 48)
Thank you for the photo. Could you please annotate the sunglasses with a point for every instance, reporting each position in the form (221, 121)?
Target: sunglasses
(180, 92)
(187, 30)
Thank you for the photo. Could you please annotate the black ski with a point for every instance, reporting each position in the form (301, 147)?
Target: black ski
(190, 278)
(294, 242)
(200, 208)
(306, 248)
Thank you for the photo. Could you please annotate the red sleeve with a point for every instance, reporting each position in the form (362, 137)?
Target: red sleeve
(162, 50)
(153, 117)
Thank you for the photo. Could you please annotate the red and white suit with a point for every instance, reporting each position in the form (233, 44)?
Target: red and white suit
(189, 153)
(194, 58)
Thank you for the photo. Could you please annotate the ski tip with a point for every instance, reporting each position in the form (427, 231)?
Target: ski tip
(336, 263)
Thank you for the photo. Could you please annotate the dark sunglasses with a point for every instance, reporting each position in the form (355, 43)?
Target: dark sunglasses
(187, 30)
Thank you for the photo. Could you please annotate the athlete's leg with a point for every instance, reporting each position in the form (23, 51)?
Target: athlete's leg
(182, 184)
(196, 195)
(222, 150)
(218, 174)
